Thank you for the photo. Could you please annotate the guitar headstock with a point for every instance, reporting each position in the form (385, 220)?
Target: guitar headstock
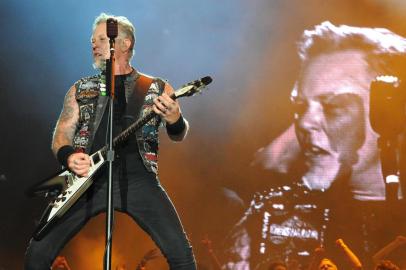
(193, 87)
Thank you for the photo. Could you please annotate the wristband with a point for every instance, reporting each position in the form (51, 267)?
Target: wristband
(63, 154)
(177, 127)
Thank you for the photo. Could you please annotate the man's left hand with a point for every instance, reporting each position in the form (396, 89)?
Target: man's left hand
(167, 108)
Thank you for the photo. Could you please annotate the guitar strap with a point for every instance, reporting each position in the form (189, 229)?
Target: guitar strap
(136, 97)
(136, 88)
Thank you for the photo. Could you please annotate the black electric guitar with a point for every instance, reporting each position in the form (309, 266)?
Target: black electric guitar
(70, 187)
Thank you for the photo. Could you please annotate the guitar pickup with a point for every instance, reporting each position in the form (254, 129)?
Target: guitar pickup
(95, 159)
(69, 179)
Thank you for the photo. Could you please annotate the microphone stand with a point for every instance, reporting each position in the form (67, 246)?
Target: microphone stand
(389, 154)
(387, 118)
(110, 157)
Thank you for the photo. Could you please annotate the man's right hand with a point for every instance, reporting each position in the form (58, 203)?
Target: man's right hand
(79, 163)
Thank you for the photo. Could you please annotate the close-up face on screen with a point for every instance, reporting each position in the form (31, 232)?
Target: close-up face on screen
(330, 116)
(326, 178)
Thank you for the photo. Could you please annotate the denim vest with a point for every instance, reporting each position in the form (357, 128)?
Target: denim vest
(90, 96)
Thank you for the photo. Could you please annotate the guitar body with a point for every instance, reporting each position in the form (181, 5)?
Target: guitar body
(75, 187)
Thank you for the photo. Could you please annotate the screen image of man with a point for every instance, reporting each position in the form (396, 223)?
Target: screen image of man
(327, 180)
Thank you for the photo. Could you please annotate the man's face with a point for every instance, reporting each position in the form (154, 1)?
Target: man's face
(331, 106)
(100, 45)
(326, 264)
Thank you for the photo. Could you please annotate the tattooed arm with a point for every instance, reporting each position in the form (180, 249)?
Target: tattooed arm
(65, 129)
(67, 122)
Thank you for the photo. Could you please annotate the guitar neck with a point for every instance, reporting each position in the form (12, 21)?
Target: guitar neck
(123, 136)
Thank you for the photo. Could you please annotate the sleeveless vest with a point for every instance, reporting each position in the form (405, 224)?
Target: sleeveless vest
(92, 100)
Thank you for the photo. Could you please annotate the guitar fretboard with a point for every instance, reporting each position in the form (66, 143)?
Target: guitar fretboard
(123, 136)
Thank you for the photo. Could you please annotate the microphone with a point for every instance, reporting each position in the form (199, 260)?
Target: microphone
(112, 28)
(112, 33)
(387, 117)
(386, 106)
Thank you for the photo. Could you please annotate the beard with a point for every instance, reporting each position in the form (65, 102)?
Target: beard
(100, 64)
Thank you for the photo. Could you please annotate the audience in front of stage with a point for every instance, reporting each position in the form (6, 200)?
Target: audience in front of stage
(278, 266)
(320, 260)
(60, 263)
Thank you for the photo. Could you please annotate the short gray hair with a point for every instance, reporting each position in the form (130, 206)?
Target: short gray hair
(385, 51)
(125, 28)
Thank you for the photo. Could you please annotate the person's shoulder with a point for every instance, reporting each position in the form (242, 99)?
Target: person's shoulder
(85, 83)
(145, 75)
(151, 77)
(156, 82)
(89, 78)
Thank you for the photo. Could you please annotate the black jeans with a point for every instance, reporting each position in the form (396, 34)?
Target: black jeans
(141, 197)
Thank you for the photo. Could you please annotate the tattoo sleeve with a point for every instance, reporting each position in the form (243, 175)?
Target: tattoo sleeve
(67, 122)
